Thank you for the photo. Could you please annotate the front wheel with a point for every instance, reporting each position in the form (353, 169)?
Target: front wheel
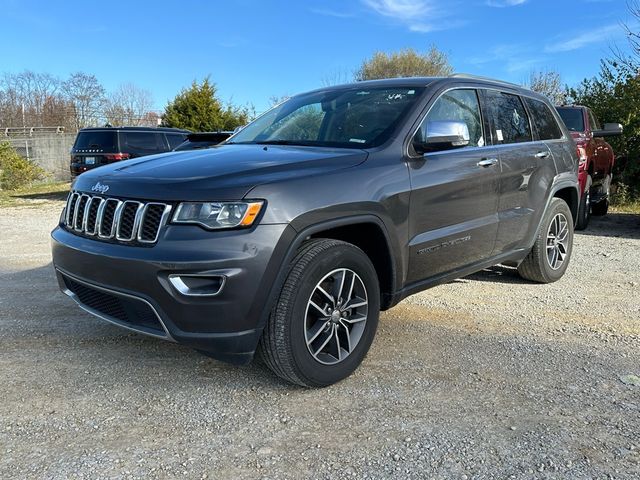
(549, 257)
(326, 316)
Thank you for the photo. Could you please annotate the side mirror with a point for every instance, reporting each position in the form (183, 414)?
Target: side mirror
(609, 130)
(441, 135)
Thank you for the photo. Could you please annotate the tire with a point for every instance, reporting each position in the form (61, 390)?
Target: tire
(541, 265)
(293, 344)
(584, 209)
(601, 208)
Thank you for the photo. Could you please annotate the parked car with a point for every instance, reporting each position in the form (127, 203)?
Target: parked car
(104, 145)
(597, 159)
(200, 140)
(334, 205)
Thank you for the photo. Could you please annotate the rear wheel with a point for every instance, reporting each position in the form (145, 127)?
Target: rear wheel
(326, 316)
(549, 258)
(584, 210)
(602, 207)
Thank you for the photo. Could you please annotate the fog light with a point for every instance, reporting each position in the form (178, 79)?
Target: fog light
(195, 285)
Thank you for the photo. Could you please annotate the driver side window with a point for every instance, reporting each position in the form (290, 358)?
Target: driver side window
(455, 112)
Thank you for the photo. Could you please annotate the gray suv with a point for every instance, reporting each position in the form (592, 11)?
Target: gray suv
(289, 238)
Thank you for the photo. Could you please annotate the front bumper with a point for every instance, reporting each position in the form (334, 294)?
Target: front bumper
(129, 285)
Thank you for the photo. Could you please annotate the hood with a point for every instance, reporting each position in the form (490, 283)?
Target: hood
(226, 172)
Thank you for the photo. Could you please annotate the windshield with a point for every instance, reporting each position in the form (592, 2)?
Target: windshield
(354, 118)
(572, 118)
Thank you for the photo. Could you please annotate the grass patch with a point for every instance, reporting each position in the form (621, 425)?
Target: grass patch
(34, 195)
(629, 207)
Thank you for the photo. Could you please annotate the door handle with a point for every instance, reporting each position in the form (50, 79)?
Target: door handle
(542, 154)
(487, 162)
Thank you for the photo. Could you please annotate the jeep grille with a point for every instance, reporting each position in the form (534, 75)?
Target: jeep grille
(113, 219)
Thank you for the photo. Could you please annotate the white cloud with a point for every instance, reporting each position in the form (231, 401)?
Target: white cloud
(513, 58)
(331, 13)
(583, 39)
(421, 16)
(505, 3)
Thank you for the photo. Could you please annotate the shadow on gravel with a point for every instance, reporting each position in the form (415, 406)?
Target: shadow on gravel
(621, 225)
(499, 274)
(35, 316)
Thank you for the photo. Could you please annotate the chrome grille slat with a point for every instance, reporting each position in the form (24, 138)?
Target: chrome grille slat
(123, 221)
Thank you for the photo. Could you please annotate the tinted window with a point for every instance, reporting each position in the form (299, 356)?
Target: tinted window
(572, 118)
(96, 140)
(354, 117)
(455, 106)
(543, 120)
(142, 143)
(175, 139)
(509, 118)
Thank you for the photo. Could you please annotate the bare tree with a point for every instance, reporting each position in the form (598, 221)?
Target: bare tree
(86, 95)
(336, 77)
(128, 105)
(549, 84)
(24, 98)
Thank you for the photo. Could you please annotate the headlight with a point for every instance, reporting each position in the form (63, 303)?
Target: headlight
(215, 215)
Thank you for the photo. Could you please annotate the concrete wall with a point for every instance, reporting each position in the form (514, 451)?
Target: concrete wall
(49, 151)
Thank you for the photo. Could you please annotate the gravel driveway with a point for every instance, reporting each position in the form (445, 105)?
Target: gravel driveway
(485, 377)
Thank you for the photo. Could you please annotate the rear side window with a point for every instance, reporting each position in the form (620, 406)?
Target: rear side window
(175, 139)
(543, 120)
(142, 143)
(96, 140)
(508, 117)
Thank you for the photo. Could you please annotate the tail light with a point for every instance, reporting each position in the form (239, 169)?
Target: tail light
(117, 156)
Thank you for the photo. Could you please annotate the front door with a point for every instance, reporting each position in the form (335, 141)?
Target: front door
(454, 193)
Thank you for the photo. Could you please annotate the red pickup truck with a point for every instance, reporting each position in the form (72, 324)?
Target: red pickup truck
(596, 159)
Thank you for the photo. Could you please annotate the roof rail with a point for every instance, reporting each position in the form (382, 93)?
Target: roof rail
(478, 77)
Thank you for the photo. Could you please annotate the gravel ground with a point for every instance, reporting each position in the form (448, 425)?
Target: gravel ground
(485, 377)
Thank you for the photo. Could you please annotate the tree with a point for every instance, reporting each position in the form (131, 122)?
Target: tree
(128, 105)
(549, 84)
(86, 95)
(405, 63)
(200, 110)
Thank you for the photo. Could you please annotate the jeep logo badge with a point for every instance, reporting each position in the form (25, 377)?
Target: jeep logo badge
(100, 188)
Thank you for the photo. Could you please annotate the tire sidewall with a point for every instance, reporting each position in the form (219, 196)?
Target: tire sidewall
(557, 206)
(342, 256)
(584, 211)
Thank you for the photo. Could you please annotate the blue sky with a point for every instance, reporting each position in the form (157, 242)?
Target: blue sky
(255, 49)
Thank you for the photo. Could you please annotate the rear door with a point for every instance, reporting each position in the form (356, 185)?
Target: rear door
(454, 194)
(526, 164)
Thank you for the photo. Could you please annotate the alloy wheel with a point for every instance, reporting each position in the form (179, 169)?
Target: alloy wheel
(336, 316)
(557, 241)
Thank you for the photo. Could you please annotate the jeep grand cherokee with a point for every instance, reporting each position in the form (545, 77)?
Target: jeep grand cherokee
(289, 238)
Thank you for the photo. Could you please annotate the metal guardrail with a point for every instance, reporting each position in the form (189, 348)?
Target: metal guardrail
(30, 131)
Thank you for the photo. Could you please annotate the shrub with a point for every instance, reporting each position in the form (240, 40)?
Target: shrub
(15, 171)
